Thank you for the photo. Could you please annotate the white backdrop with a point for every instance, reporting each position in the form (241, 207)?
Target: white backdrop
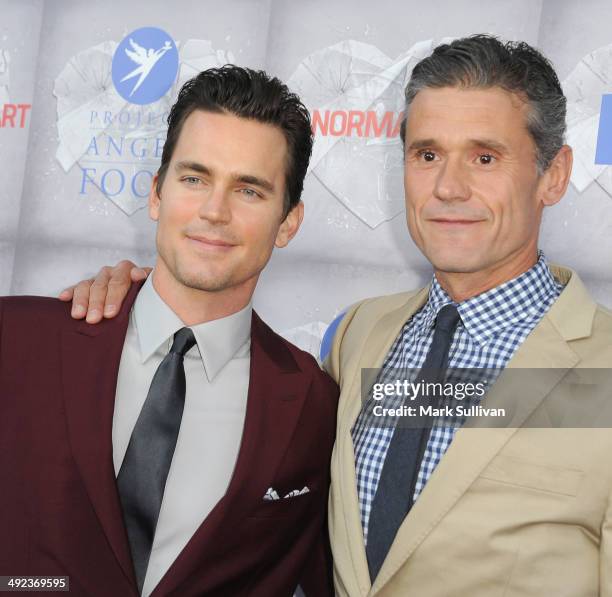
(67, 136)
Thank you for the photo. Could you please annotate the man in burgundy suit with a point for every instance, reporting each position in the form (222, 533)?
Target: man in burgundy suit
(181, 448)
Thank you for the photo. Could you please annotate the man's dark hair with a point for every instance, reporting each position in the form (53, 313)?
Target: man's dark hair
(483, 61)
(249, 94)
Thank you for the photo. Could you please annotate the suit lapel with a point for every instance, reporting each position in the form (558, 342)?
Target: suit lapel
(472, 449)
(276, 395)
(90, 364)
(383, 334)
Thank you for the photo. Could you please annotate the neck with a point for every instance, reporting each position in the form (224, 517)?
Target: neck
(461, 286)
(194, 306)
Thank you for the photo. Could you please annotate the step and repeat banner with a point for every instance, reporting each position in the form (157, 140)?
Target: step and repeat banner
(85, 88)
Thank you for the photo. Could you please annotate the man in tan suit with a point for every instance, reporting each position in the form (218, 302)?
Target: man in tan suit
(511, 511)
(519, 509)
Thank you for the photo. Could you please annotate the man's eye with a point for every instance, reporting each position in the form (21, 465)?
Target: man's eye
(485, 159)
(428, 156)
(250, 193)
(191, 180)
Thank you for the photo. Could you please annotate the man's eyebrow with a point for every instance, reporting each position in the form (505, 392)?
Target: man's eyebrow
(257, 181)
(489, 144)
(483, 143)
(195, 166)
(422, 144)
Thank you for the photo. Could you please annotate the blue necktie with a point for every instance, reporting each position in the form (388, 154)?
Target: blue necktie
(394, 494)
(142, 477)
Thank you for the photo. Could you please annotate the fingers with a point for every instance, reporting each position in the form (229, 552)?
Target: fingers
(97, 295)
(139, 273)
(103, 295)
(109, 291)
(66, 294)
(80, 298)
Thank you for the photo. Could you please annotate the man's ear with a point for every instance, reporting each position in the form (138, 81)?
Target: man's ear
(154, 200)
(290, 225)
(553, 183)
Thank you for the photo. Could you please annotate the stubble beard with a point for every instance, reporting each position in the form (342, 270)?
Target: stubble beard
(202, 281)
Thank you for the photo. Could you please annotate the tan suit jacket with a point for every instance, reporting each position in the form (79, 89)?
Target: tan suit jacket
(510, 512)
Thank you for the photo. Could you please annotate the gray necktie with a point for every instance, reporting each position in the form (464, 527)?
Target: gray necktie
(142, 477)
(394, 494)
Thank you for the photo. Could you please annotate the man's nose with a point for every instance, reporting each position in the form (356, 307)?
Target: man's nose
(215, 206)
(452, 183)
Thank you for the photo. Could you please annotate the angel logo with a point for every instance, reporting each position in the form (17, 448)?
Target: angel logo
(145, 65)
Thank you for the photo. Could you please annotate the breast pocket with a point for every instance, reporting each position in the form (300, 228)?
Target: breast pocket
(289, 507)
(522, 473)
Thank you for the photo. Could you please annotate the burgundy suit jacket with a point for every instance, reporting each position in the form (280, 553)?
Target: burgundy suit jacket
(59, 508)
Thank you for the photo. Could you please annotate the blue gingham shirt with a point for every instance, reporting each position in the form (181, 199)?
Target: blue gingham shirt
(493, 325)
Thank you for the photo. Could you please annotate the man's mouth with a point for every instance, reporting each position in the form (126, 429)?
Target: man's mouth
(210, 243)
(454, 221)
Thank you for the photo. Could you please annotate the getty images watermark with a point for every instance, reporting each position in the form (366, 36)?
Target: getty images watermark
(414, 393)
(487, 398)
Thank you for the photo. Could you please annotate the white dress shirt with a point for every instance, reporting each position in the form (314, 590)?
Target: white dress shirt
(217, 381)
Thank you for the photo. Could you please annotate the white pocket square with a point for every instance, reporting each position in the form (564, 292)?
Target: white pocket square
(272, 494)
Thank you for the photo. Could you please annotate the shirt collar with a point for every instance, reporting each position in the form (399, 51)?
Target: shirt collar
(218, 340)
(485, 314)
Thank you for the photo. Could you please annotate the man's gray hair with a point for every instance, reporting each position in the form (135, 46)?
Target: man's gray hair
(483, 61)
